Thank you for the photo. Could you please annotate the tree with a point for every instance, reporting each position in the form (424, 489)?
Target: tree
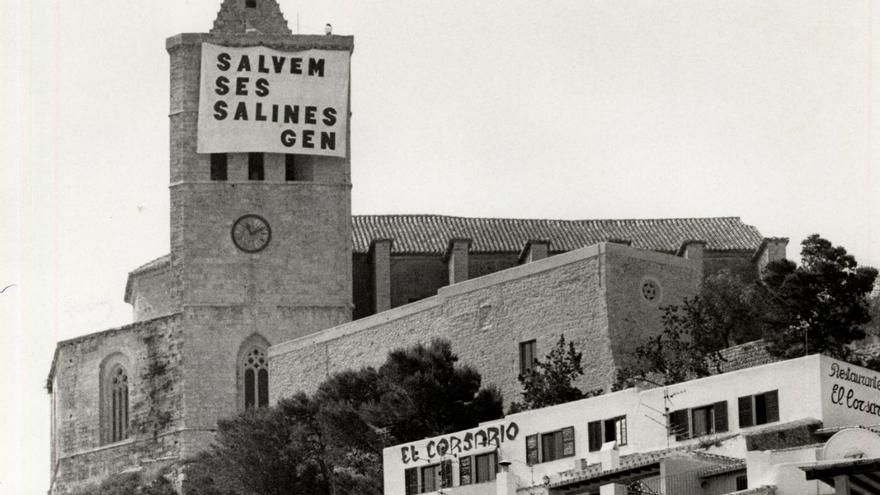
(268, 451)
(819, 306)
(130, 484)
(727, 310)
(684, 350)
(331, 441)
(551, 381)
(422, 393)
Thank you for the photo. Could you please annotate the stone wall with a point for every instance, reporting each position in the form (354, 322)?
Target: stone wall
(152, 349)
(737, 262)
(486, 319)
(151, 297)
(214, 337)
(415, 277)
(640, 283)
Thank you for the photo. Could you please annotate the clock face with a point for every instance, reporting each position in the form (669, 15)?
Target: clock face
(251, 233)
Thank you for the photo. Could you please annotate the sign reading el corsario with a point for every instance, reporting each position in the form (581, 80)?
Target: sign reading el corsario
(256, 99)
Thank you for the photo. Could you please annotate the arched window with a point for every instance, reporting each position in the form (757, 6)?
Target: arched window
(114, 399)
(256, 379)
(253, 373)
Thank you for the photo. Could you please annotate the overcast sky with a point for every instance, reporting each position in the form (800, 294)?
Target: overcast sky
(557, 109)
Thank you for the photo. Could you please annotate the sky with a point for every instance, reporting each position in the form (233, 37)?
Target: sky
(559, 109)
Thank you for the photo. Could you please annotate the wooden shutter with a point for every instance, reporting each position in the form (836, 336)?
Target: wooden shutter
(532, 449)
(411, 480)
(594, 432)
(568, 441)
(465, 471)
(610, 431)
(745, 412)
(679, 424)
(772, 404)
(445, 474)
(720, 413)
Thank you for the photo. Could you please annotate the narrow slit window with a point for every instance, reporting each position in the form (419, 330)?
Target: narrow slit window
(118, 404)
(526, 356)
(251, 4)
(255, 166)
(218, 166)
(297, 169)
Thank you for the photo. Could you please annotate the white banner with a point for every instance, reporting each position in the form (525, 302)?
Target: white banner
(256, 99)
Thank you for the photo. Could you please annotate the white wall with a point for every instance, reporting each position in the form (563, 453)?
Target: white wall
(804, 393)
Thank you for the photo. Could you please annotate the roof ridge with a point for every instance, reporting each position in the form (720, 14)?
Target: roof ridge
(544, 219)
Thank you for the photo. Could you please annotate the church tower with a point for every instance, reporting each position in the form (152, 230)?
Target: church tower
(260, 201)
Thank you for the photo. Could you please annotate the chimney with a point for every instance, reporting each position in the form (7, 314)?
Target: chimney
(771, 249)
(534, 250)
(613, 489)
(618, 240)
(692, 250)
(380, 258)
(609, 456)
(456, 258)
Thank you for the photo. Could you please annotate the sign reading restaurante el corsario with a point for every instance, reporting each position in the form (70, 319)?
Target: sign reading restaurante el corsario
(863, 397)
(256, 99)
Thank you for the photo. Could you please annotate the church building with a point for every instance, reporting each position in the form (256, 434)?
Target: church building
(271, 281)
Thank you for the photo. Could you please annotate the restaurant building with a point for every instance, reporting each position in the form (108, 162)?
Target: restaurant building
(758, 430)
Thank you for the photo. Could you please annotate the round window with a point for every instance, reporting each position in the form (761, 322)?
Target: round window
(650, 290)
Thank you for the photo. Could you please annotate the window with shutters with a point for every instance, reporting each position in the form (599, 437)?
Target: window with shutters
(527, 356)
(465, 471)
(698, 421)
(609, 430)
(436, 476)
(486, 466)
(552, 445)
(411, 481)
(758, 409)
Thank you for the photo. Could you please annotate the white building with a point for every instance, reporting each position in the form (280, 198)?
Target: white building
(753, 429)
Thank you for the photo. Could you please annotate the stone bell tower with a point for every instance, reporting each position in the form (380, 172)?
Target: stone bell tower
(260, 237)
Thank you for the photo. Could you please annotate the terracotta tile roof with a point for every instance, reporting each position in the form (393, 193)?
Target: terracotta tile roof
(744, 356)
(644, 459)
(761, 490)
(429, 234)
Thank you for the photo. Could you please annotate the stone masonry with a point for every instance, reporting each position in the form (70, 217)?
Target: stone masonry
(591, 295)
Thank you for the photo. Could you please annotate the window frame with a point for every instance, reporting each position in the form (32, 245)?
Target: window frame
(441, 471)
(537, 448)
(524, 364)
(749, 405)
(493, 467)
(114, 399)
(600, 434)
(681, 422)
(258, 381)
